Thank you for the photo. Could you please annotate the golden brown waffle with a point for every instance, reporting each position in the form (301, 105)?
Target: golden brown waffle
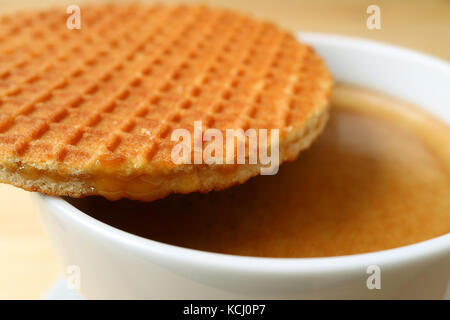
(90, 111)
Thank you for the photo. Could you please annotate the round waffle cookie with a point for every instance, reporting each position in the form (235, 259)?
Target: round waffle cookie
(90, 111)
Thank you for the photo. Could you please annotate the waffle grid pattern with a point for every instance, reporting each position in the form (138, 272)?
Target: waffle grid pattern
(113, 91)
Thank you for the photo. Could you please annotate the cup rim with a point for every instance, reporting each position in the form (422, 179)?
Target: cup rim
(393, 257)
(410, 91)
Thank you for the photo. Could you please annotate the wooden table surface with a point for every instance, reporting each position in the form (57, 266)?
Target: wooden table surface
(28, 265)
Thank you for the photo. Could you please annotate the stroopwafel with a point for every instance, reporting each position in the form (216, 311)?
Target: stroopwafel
(91, 111)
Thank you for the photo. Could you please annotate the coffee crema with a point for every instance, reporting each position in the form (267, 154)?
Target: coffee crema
(377, 178)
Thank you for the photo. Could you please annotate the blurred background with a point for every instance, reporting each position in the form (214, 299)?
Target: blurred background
(28, 265)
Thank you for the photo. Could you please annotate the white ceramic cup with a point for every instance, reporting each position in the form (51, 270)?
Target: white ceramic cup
(116, 264)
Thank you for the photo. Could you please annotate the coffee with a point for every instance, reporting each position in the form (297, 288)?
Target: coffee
(377, 178)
